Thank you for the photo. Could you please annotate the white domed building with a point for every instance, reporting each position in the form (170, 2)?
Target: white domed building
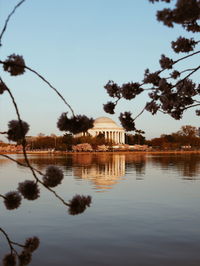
(107, 127)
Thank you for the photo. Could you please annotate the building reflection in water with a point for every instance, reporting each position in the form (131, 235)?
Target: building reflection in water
(103, 170)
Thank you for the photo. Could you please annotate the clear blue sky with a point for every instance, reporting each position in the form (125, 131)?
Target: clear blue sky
(78, 46)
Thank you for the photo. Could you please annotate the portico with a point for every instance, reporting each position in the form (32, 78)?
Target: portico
(110, 130)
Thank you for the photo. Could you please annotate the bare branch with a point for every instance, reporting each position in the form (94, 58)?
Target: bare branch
(139, 113)
(8, 240)
(195, 69)
(43, 79)
(51, 86)
(182, 58)
(37, 179)
(8, 18)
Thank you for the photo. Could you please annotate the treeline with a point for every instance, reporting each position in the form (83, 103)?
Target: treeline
(65, 142)
(187, 137)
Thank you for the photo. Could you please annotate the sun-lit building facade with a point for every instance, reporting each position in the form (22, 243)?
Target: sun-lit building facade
(107, 127)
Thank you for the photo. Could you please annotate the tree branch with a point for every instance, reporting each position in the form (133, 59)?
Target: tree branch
(43, 79)
(8, 18)
(37, 179)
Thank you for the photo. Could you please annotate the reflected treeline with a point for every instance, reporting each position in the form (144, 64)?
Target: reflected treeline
(105, 170)
(188, 165)
(42, 161)
(4, 161)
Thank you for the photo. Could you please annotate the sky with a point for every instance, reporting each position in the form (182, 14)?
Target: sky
(79, 46)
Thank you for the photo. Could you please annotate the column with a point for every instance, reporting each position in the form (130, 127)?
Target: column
(123, 138)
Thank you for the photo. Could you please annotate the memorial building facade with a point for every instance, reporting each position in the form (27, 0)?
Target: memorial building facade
(107, 127)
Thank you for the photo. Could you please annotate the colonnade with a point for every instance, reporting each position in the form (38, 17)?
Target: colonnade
(116, 136)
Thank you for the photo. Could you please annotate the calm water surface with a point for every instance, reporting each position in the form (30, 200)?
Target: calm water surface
(145, 210)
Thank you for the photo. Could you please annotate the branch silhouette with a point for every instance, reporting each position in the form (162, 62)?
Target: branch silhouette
(8, 19)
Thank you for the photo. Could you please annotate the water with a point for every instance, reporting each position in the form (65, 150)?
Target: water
(145, 210)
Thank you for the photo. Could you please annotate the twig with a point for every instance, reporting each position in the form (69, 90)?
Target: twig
(9, 241)
(43, 79)
(191, 106)
(8, 18)
(25, 154)
(195, 69)
(182, 58)
(51, 86)
(37, 179)
(139, 113)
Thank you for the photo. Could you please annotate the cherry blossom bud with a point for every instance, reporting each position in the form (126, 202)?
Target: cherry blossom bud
(109, 107)
(75, 124)
(127, 121)
(17, 131)
(112, 89)
(32, 244)
(9, 260)
(14, 65)
(24, 258)
(183, 45)
(12, 200)
(130, 90)
(53, 176)
(29, 189)
(78, 204)
(165, 62)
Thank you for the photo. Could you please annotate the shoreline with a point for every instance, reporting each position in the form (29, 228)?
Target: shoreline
(107, 152)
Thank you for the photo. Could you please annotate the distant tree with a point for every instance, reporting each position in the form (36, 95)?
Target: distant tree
(136, 138)
(82, 147)
(187, 135)
(188, 131)
(170, 88)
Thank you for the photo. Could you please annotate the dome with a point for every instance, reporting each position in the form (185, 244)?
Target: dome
(105, 122)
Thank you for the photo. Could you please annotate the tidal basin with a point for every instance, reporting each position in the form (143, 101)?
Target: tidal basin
(145, 210)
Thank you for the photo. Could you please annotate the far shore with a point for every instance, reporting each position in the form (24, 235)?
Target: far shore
(109, 152)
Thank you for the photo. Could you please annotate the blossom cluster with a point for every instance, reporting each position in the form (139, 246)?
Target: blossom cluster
(29, 189)
(175, 93)
(109, 107)
(183, 45)
(17, 130)
(166, 62)
(130, 90)
(127, 121)
(53, 176)
(14, 64)
(25, 257)
(127, 90)
(12, 200)
(185, 13)
(78, 204)
(75, 124)
(172, 99)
